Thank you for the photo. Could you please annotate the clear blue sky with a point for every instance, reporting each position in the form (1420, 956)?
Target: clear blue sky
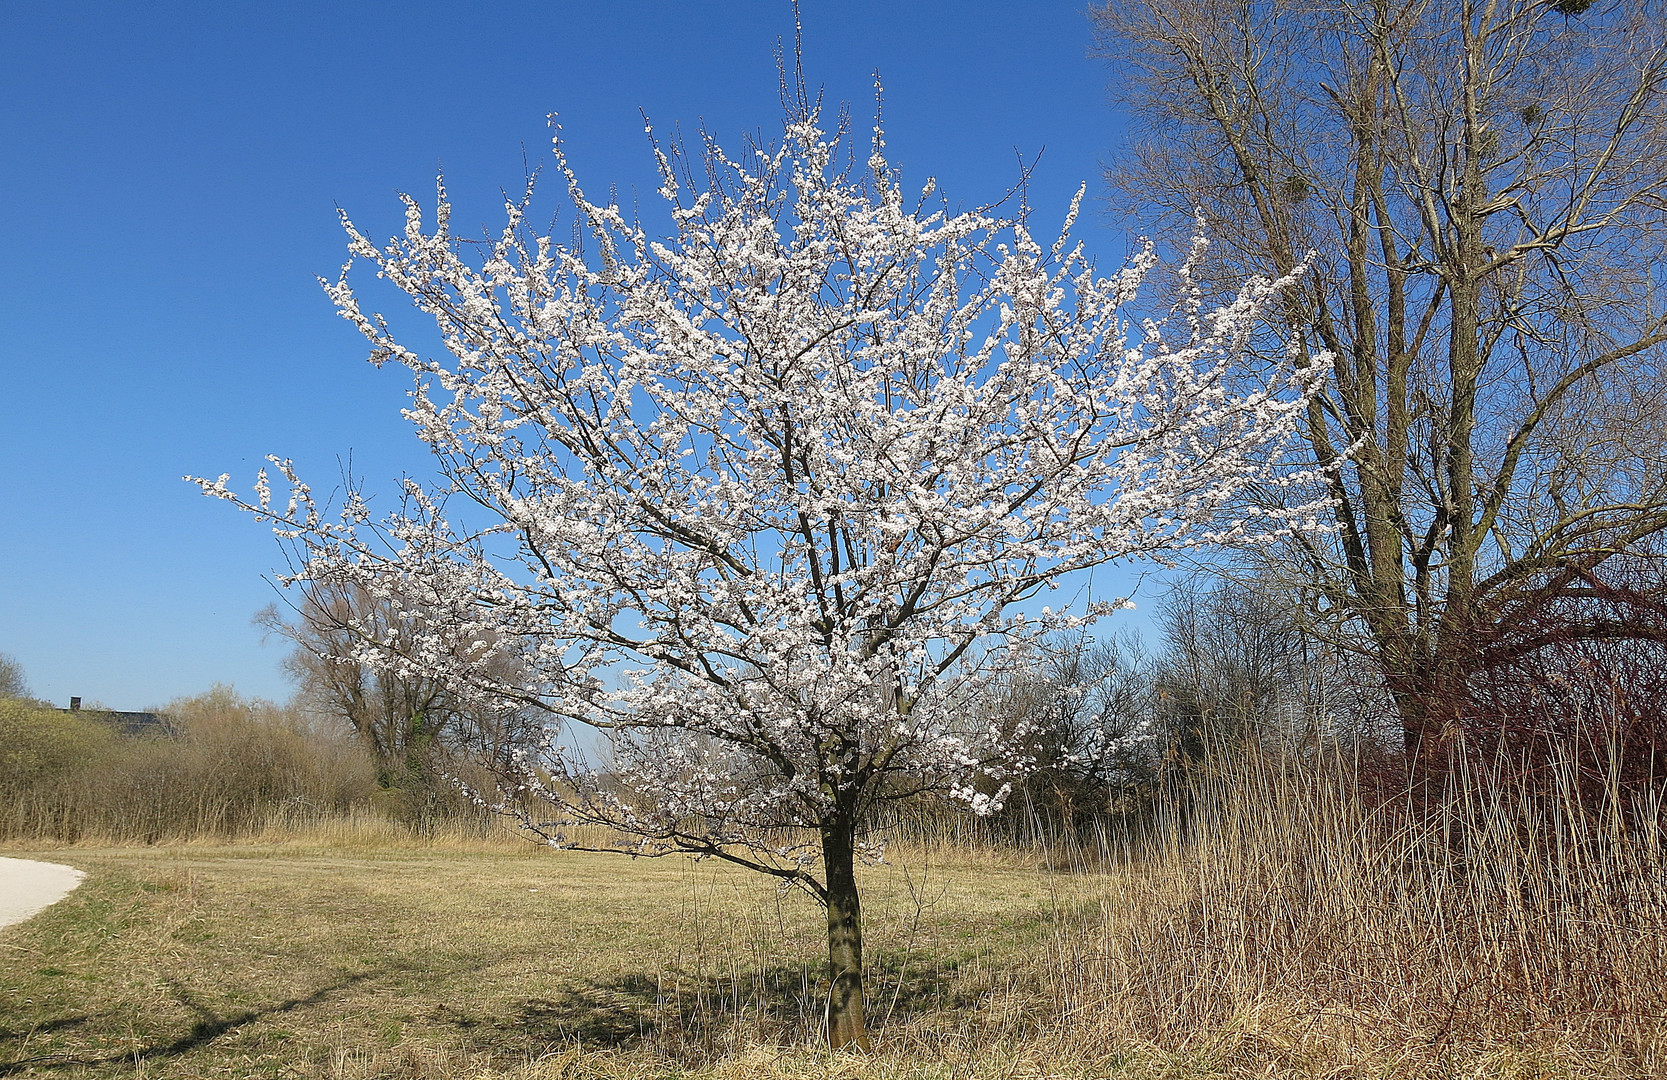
(168, 178)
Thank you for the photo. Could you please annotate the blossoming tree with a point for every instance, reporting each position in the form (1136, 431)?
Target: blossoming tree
(769, 499)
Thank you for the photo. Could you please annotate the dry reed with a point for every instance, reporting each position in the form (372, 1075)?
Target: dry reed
(1279, 919)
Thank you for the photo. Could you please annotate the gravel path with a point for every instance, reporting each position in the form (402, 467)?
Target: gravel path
(27, 886)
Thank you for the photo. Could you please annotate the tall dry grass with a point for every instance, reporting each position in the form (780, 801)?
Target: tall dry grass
(231, 766)
(1281, 917)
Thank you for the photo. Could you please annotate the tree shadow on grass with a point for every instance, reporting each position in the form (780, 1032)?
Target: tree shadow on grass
(46, 1027)
(682, 1011)
(208, 1027)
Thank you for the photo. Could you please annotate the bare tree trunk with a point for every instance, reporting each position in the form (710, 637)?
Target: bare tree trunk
(1483, 182)
(845, 1003)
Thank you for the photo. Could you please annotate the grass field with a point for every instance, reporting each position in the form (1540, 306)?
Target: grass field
(1290, 929)
(267, 960)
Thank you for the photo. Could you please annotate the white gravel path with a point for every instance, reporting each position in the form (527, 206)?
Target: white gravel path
(27, 886)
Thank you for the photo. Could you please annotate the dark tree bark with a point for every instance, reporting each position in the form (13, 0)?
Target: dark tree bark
(846, 1022)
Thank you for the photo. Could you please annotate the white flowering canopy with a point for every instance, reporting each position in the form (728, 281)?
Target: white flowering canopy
(768, 498)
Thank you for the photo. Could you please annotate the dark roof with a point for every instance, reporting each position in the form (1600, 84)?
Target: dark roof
(130, 723)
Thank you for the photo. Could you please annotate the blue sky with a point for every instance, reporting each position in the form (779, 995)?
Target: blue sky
(169, 175)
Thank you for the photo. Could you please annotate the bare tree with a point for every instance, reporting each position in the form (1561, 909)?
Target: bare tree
(1483, 184)
(1231, 668)
(13, 683)
(1234, 668)
(417, 729)
(1239, 666)
(1088, 706)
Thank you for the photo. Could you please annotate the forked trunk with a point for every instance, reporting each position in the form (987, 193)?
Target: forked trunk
(845, 1005)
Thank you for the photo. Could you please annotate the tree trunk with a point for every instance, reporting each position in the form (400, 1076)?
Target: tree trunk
(845, 1005)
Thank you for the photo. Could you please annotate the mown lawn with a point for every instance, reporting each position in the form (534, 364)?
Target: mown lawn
(280, 961)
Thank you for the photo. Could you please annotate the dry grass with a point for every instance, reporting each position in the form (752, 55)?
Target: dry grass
(1285, 930)
(1289, 928)
(234, 766)
(294, 960)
